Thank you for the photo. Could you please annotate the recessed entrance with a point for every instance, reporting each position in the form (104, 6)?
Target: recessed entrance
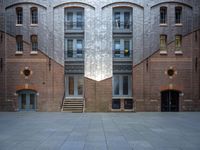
(27, 100)
(170, 101)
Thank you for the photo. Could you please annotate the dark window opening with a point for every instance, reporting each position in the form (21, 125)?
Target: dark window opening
(178, 13)
(34, 42)
(19, 13)
(163, 15)
(34, 15)
(19, 41)
(128, 104)
(116, 104)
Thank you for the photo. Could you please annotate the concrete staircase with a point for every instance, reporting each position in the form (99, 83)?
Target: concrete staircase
(73, 105)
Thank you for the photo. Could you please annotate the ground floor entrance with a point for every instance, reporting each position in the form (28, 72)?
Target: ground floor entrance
(27, 100)
(170, 101)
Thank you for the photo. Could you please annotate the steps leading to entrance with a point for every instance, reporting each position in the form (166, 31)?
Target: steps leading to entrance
(72, 105)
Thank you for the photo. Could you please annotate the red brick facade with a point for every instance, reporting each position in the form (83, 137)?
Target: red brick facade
(150, 77)
(46, 78)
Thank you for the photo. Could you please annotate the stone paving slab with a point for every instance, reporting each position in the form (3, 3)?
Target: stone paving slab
(99, 131)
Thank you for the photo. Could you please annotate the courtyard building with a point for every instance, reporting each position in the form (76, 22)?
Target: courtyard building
(100, 56)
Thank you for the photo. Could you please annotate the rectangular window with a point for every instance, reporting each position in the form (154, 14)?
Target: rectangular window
(126, 48)
(163, 15)
(69, 48)
(19, 41)
(116, 104)
(71, 85)
(79, 18)
(125, 85)
(34, 42)
(34, 15)
(126, 20)
(178, 42)
(80, 86)
(69, 20)
(122, 85)
(178, 12)
(19, 12)
(163, 42)
(79, 47)
(117, 47)
(117, 19)
(128, 104)
(116, 85)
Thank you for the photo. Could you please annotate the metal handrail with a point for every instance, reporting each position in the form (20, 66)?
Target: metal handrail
(78, 25)
(118, 25)
(122, 53)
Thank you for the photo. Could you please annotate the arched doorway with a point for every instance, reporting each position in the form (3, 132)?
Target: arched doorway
(170, 101)
(26, 100)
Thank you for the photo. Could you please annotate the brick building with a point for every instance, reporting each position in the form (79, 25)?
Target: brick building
(100, 56)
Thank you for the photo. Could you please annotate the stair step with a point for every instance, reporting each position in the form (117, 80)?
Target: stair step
(73, 105)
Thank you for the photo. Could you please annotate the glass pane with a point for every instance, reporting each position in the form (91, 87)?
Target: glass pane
(178, 41)
(116, 85)
(117, 45)
(125, 85)
(80, 85)
(127, 48)
(70, 48)
(71, 85)
(69, 20)
(79, 46)
(178, 15)
(79, 19)
(32, 101)
(117, 19)
(23, 101)
(126, 20)
(163, 41)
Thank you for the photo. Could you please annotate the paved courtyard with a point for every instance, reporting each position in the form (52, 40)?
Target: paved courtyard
(99, 131)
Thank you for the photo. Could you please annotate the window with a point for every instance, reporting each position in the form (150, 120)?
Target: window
(70, 48)
(122, 85)
(19, 13)
(74, 48)
(74, 18)
(163, 15)
(122, 19)
(128, 104)
(163, 42)
(34, 42)
(74, 85)
(178, 12)
(34, 15)
(178, 42)
(116, 104)
(19, 41)
(122, 48)
(79, 18)
(79, 47)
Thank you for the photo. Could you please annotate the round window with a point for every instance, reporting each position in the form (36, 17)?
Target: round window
(27, 72)
(170, 72)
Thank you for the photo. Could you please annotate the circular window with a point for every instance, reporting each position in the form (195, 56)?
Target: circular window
(170, 72)
(27, 72)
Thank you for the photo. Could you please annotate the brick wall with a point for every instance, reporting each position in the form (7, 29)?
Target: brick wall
(98, 95)
(150, 77)
(47, 78)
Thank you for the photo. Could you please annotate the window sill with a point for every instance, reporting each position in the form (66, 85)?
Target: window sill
(34, 25)
(34, 53)
(163, 25)
(75, 97)
(178, 52)
(19, 25)
(18, 53)
(178, 24)
(162, 52)
(122, 97)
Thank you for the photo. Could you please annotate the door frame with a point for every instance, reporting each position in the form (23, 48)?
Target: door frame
(179, 100)
(27, 93)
